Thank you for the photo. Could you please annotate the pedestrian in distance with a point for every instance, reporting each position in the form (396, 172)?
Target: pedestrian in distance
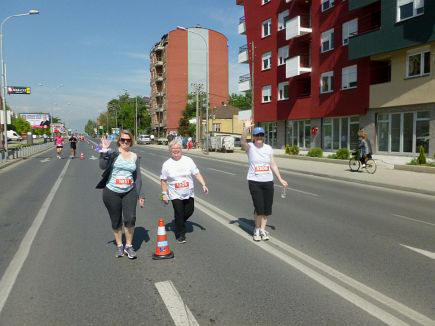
(177, 186)
(122, 184)
(260, 178)
(59, 145)
(73, 145)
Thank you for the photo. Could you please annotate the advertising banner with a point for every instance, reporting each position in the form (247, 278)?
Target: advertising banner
(18, 90)
(37, 120)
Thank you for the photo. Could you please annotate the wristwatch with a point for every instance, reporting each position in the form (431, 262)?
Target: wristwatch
(164, 193)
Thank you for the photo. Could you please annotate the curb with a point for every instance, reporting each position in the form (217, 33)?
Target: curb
(318, 159)
(333, 177)
(19, 159)
(414, 168)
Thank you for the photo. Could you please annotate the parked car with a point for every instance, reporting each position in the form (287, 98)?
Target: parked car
(144, 139)
(12, 135)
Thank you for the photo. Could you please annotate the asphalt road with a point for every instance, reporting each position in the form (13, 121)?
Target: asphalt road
(336, 256)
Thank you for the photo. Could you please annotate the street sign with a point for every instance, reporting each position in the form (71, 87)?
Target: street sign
(18, 90)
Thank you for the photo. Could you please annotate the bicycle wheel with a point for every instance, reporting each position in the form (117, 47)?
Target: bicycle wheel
(371, 166)
(354, 164)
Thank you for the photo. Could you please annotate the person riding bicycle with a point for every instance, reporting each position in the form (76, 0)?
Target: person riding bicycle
(363, 148)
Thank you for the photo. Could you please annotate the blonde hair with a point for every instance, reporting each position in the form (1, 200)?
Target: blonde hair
(125, 132)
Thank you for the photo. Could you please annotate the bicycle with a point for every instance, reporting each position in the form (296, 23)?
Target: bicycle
(355, 163)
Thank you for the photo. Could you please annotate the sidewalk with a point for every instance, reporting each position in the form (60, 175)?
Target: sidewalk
(385, 175)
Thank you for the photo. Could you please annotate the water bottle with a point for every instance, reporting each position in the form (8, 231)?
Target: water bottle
(284, 192)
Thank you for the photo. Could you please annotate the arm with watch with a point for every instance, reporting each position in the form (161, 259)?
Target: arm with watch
(164, 186)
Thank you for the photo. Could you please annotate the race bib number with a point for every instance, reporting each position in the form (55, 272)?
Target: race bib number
(262, 168)
(182, 185)
(123, 182)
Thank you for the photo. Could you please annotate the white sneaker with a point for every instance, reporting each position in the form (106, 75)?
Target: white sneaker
(264, 235)
(257, 236)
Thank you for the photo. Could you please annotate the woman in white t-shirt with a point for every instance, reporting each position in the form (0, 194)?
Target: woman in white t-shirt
(260, 178)
(177, 186)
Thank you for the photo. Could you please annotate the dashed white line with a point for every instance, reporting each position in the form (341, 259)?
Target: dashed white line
(180, 313)
(421, 251)
(11, 273)
(413, 219)
(221, 171)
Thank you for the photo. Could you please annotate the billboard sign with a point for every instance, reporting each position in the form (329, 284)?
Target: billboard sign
(37, 120)
(18, 90)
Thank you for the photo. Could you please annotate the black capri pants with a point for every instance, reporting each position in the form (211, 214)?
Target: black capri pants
(183, 209)
(121, 205)
(262, 196)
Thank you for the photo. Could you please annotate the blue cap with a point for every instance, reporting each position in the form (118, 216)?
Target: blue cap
(258, 130)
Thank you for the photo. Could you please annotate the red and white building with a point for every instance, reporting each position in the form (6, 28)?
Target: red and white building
(306, 90)
(182, 59)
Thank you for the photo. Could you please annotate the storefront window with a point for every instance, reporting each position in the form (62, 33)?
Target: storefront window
(307, 134)
(327, 134)
(336, 133)
(395, 132)
(344, 132)
(271, 133)
(422, 131)
(408, 128)
(299, 133)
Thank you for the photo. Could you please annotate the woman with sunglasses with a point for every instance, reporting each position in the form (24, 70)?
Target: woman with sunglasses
(260, 178)
(121, 183)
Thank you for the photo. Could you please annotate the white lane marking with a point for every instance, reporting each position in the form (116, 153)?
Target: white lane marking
(426, 253)
(180, 313)
(383, 315)
(413, 219)
(10, 275)
(45, 160)
(297, 190)
(93, 158)
(221, 171)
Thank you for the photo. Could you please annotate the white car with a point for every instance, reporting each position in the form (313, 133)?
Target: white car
(12, 135)
(144, 139)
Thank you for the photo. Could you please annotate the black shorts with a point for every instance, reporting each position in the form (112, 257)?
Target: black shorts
(121, 206)
(58, 146)
(73, 145)
(262, 196)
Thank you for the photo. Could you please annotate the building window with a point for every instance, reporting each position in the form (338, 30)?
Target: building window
(283, 91)
(326, 4)
(326, 82)
(217, 127)
(327, 40)
(340, 133)
(349, 77)
(266, 94)
(271, 133)
(350, 28)
(266, 61)
(263, 2)
(418, 64)
(409, 8)
(282, 18)
(282, 55)
(299, 133)
(266, 28)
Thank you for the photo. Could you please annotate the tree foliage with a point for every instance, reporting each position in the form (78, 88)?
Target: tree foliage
(21, 125)
(241, 101)
(89, 127)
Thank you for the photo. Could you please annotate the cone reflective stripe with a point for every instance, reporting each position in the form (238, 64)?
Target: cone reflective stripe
(163, 251)
(82, 156)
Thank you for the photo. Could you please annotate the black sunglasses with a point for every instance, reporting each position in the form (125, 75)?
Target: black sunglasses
(125, 140)
(259, 135)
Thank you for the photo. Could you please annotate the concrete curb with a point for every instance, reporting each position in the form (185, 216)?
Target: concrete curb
(333, 177)
(19, 159)
(314, 159)
(415, 168)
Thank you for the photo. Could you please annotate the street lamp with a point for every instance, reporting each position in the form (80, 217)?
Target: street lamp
(3, 86)
(206, 82)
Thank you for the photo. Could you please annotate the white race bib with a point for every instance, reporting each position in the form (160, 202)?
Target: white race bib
(123, 182)
(262, 168)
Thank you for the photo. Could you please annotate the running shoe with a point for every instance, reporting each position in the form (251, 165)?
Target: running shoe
(264, 235)
(257, 236)
(181, 239)
(119, 251)
(130, 252)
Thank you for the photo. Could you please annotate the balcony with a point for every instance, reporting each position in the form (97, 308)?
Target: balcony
(159, 48)
(297, 65)
(159, 94)
(160, 108)
(297, 26)
(159, 78)
(357, 4)
(243, 54)
(242, 26)
(158, 63)
(244, 83)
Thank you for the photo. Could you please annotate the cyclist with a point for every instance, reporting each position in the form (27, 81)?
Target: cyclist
(363, 148)
(260, 178)
(177, 186)
(59, 145)
(121, 183)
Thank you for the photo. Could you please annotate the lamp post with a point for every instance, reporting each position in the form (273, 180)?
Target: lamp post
(3, 86)
(206, 82)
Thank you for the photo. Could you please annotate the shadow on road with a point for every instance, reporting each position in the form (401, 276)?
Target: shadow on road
(140, 236)
(189, 226)
(248, 225)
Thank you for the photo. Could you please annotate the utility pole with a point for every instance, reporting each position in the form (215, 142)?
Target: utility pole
(135, 122)
(197, 88)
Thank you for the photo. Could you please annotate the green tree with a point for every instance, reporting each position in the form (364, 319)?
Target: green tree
(241, 101)
(21, 125)
(55, 119)
(89, 127)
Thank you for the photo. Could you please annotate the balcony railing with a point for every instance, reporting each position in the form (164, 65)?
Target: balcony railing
(297, 65)
(242, 26)
(244, 83)
(243, 54)
(297, 26)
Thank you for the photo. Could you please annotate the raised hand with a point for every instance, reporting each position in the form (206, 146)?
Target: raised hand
(105, 142)
(248, 124)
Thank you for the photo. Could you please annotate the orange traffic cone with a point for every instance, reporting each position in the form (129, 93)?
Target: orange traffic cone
(163, 251)
(82, 156)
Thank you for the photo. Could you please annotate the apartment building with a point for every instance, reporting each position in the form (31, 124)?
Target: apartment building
(401, 114)
(314, 82)
(182, 59)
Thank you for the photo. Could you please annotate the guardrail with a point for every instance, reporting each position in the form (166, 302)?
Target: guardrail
(23, 151)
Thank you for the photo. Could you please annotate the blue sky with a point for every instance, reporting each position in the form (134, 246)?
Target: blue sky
(76, 55)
